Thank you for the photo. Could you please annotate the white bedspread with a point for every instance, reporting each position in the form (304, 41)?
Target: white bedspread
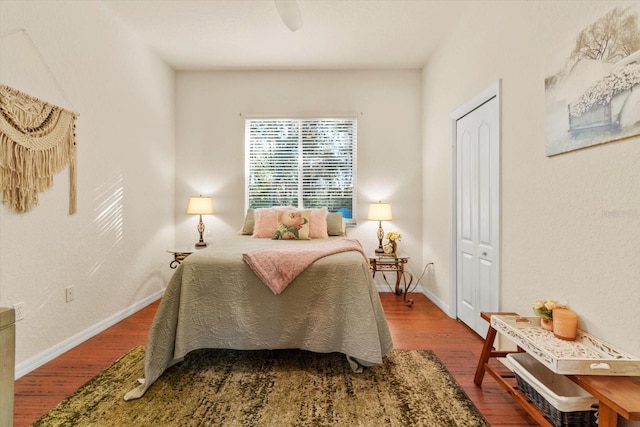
(214, 300)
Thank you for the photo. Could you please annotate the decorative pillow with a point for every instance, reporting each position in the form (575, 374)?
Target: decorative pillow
(318, 224)
(335, 224)
(265, 222)
(247, 227)
(292, 224)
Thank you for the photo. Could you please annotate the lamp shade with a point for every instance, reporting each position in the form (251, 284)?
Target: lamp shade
(379, 212)
(199, 205)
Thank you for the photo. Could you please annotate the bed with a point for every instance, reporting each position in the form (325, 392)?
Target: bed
(215, 300)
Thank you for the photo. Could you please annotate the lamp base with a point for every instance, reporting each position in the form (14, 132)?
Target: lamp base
(201, 243)
(380, 249)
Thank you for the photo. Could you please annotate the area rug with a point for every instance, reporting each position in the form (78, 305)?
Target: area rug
(272, 388)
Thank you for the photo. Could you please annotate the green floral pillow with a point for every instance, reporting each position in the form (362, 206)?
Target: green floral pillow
(292, 224)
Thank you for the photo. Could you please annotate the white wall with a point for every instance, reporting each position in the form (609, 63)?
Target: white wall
(211, 107)
(570, 223)
(113, 250)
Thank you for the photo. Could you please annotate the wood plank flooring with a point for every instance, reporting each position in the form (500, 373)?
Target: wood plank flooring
(423, 326)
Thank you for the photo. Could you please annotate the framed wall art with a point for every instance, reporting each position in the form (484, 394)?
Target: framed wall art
(592, 85)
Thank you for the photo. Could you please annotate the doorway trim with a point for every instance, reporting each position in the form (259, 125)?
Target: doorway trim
(492, 91)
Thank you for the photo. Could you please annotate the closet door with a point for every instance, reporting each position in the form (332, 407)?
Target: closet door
(477, 213)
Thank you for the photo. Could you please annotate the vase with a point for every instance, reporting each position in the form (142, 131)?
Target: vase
(546, 324)
(394, 246)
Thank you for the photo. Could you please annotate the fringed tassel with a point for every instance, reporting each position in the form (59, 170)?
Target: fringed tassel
(72, 174)
(24, 172)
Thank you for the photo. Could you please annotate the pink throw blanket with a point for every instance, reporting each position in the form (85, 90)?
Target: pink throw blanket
(278, 266)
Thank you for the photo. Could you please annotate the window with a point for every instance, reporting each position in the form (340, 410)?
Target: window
(306, 163)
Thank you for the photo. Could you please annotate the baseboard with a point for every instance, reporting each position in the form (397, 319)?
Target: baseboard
(437, 301)
(38, 360)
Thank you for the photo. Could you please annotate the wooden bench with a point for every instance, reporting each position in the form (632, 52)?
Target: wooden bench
(616, 394)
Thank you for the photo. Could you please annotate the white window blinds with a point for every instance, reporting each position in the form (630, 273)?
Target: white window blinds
(301, 162)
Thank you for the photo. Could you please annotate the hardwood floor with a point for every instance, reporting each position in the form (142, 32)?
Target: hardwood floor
(423, 326)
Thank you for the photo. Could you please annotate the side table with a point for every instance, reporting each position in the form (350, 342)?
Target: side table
(383, 262)
(178, 256)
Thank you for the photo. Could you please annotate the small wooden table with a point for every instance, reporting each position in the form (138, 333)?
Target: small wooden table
(382, 263)
(179, 256)
(616, 394)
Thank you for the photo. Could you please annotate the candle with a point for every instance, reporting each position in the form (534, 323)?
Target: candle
(565, 324)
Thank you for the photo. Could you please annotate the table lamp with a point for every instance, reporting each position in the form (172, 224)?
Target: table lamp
(380, 212)
(199, 205)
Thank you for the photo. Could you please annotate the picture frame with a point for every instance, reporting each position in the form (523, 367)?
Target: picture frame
(592, 84)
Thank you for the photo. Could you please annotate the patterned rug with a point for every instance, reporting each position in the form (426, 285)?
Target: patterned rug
(272, 388)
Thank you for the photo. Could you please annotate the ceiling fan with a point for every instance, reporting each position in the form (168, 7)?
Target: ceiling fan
(289, 13)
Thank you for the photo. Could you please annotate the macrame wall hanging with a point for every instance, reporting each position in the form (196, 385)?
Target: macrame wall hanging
(37, 140)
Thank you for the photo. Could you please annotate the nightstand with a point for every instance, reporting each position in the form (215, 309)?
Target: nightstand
(179, 256)
(383, 262)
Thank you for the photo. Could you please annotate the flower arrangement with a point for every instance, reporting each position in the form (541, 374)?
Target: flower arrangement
(603, 91)
(544, 308)
(393, 236)
(392, 247)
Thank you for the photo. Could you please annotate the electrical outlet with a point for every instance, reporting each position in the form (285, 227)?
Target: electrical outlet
(19, 308)
(69, 294)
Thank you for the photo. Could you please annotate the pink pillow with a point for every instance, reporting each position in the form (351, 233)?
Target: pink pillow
(265, 222)
(318, 224)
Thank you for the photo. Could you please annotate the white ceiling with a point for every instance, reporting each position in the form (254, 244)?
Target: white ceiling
(249, 34)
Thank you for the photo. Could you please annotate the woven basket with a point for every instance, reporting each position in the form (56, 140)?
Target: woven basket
(559, 418)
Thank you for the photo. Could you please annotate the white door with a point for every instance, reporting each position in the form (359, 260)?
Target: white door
(477, 139)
